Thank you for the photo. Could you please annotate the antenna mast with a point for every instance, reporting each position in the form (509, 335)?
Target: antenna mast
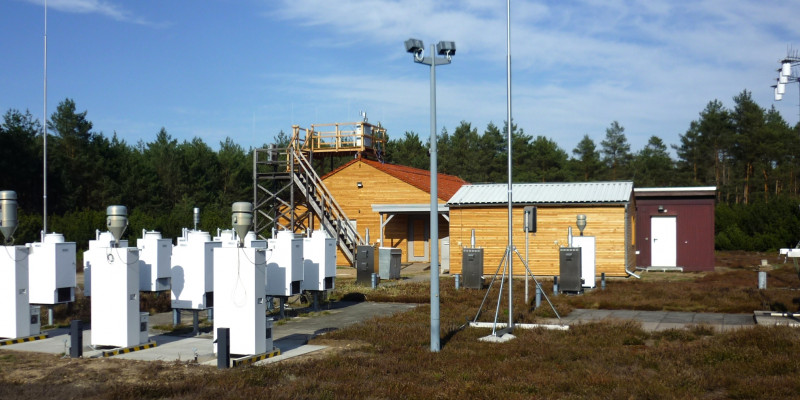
(44, 131)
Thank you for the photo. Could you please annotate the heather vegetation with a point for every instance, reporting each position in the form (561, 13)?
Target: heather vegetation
(389, 357)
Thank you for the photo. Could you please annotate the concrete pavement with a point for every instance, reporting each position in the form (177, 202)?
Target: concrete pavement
(290, 336)
(661, 320)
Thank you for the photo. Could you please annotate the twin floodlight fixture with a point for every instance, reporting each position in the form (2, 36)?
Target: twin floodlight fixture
(417, 48)
(784, 73)
(8, 214)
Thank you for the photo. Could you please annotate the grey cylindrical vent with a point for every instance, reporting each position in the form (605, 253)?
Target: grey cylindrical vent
(117, 221)
(196, 217)
(242, 218)
(581, 222)
(8, 213)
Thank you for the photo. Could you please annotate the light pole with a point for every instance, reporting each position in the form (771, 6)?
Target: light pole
(446, 49)
(786, 75)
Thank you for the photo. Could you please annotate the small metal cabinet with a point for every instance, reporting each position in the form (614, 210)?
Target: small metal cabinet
(570, 280)
(365, 264)
(389, 260)
(472, 268)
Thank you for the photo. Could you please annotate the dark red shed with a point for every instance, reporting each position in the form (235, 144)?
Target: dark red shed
(675, 227)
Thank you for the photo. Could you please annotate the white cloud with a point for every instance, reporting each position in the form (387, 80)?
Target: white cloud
(101, 7)
(578, 65)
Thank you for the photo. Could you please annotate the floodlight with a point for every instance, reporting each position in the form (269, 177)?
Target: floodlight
(414, 46)
(783, 79)
(446, 48)
(778, 96)
(786, 68)
(781, 89)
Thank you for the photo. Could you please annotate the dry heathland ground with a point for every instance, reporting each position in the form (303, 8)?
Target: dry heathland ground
(390, 357)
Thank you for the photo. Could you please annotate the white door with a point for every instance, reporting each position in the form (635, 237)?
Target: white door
(663, 241)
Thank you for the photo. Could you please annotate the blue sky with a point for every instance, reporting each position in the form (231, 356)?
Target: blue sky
(251, 68)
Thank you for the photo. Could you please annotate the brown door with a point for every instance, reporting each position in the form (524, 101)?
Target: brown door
(418, 233)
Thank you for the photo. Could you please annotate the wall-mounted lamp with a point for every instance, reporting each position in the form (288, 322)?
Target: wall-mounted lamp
(661, 209)
(360, 185)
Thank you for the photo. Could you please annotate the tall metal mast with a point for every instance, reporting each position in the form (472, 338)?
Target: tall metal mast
(44, 131)
(509, 257)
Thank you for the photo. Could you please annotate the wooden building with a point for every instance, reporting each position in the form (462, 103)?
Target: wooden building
(393, 202)
(675, 227)
(608, 206)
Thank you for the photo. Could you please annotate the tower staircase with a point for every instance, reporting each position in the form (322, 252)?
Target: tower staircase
(290, 195)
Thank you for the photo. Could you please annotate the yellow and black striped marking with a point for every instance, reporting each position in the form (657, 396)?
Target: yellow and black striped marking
(7, 342)
(125, 350)
(258, 357)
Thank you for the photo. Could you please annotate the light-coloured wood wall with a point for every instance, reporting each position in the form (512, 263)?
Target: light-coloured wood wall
(378, 188)
(606, 223)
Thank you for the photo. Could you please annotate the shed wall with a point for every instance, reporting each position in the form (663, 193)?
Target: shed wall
(606, 223)
(695, 230)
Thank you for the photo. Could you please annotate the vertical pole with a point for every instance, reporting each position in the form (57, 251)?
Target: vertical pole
(525, 226)
(176, 317)
(223, 348)
(291, 192)
(44, 131)
(381, 229)
(255, 188)
(555, 286)
(76, 339)
(195, 322)
(510, 231)
(434, 236)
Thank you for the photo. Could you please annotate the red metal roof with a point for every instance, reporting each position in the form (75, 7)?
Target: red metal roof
(419, 178)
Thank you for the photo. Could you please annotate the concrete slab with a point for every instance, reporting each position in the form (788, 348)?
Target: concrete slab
(777, 318)
(498, 339)
(299, 351)
(661, 320)
(651, 316)
(708, 318)
(290, 335)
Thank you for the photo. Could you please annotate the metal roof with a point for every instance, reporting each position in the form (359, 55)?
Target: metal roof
(543, 193)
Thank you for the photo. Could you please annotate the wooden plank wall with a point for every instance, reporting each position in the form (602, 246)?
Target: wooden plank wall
(606, 223)
(378, 188)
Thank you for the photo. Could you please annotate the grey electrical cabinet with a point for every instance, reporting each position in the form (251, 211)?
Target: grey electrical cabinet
(472, 268)
(569, 280)
(389, 260)
(365, 264)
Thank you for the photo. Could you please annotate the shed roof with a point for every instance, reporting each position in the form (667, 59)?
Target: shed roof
(419, 178)
(694, 191)
(544, 193)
